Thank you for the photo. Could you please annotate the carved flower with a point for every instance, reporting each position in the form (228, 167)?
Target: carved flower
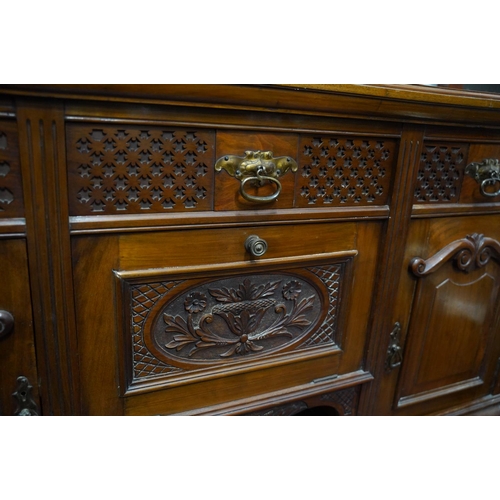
(291, 290)
(195, 302)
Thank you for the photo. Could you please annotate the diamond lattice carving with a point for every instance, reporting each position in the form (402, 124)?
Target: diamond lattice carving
(144, 298)
(340, 171)
(440, 173)
(114, 170)
(344, 398)
(331, 277)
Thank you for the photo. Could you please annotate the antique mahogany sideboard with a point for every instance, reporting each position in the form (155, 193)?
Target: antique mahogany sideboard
(249, 250)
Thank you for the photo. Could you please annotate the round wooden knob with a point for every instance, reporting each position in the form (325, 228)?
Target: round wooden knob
(6, 323)
(255, 245)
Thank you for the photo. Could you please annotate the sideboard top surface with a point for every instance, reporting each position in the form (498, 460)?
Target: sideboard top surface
(411, 103)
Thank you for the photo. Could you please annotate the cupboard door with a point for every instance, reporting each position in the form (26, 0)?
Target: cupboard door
(181, 321)
(451, 336)
(17, 349)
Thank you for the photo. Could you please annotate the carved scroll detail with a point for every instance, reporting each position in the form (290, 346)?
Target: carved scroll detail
(474, 251)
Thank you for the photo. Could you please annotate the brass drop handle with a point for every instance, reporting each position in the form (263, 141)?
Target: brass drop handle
(255, 245)
(257, 168)
(487, 174)
(260, 180)
(6, 323)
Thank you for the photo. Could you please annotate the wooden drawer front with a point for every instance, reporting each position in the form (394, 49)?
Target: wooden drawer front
(11, 194)
(124, 170)
(332, 170)
(442, 176)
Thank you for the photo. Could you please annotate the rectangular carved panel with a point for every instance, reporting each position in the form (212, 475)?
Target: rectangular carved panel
(336, 171)
(11, 193)
(441, 173)
(124, 170)
(184, 326)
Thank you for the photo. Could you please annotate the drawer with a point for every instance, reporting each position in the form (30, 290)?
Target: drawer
(447, 174)
(125, 170)
(191, 319)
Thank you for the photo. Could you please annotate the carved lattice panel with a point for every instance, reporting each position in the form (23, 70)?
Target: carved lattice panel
(121, 170)
(340, 171)
(345, 399)
(198, 324)
(11, 197)
(440, 173)
(342, 401)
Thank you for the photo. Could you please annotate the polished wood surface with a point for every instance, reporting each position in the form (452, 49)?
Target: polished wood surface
(377, 295)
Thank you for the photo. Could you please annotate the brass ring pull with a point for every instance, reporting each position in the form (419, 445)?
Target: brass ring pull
(257, 168)
(486, 173)
(490, 182)
(261, 179)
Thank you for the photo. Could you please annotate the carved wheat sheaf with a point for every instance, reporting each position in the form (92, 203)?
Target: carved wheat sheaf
(187, 325)
(128, 170)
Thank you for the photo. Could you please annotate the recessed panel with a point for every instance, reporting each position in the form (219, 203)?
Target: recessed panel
(182, 326)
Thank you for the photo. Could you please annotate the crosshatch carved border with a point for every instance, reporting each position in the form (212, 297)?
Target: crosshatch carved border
(142, 298)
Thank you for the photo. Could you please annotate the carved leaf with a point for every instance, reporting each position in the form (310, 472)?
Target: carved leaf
(224, 295)
(242, 348)
(265, 290)
(244, 323)
(184, 332)
(297, 317)
(245, 291)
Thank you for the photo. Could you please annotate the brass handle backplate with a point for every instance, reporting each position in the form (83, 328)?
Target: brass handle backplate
(257, 168)
(394, 356)
(487, 174)
(6, 323)
(26, 405)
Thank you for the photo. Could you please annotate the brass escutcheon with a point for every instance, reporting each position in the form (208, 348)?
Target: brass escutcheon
(257, 168)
